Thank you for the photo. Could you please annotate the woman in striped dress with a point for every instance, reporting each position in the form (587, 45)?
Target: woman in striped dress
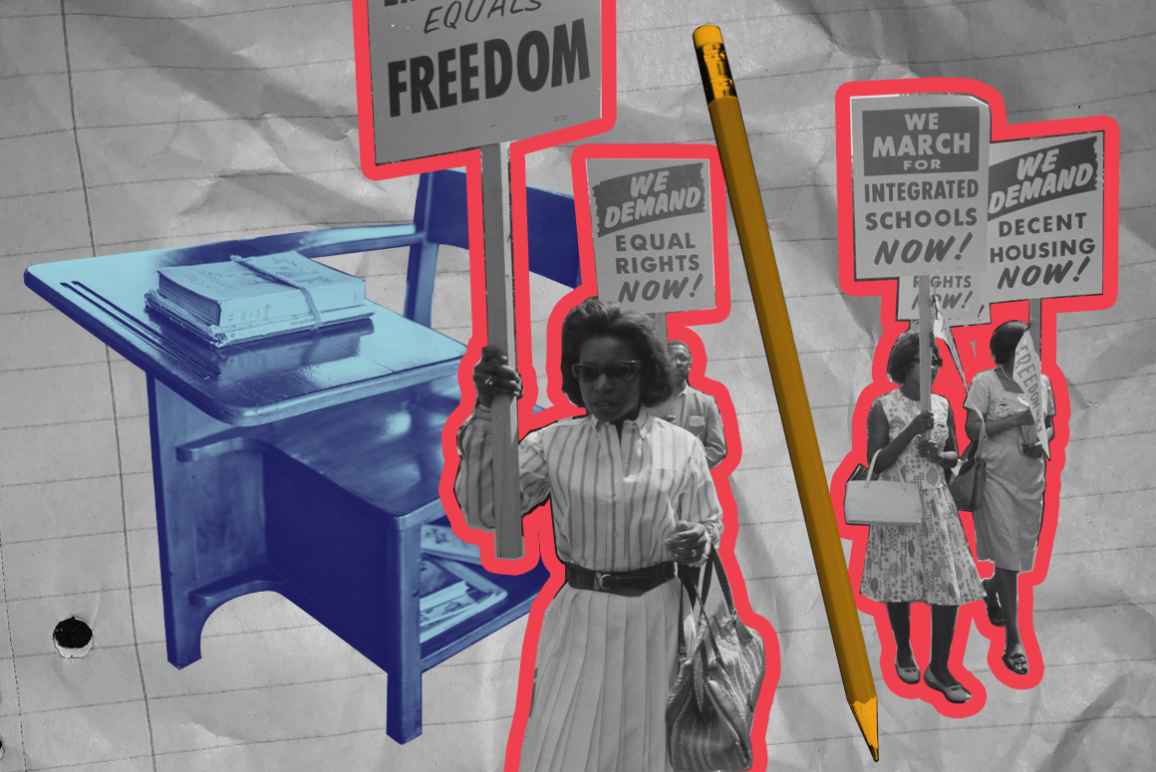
(630, 495)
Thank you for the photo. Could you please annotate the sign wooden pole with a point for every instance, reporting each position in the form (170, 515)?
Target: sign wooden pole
(925, 336)
(500, 331)
(1035, 319)
(659, 320)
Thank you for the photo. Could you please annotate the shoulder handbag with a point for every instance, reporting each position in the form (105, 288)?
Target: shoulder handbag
(967, 487)
(712, 699)
(881, 502)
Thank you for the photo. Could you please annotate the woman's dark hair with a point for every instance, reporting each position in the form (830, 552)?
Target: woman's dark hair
(903, 354)
(1004, 340)
(595, 319)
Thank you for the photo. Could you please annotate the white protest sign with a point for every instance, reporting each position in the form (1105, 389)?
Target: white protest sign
(456, 75)
(919, 173)
(653, 245)
(1026, 372)
(962, 298)
(1046, 217)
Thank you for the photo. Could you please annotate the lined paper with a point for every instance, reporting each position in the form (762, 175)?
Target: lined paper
(139, 124)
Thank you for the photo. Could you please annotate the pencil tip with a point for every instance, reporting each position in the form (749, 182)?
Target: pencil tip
(867, 716)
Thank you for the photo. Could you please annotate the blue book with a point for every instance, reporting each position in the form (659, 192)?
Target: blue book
(437, 587)
(280, 354)
(221, 336)
(481, 595)
(442, 542)
(263, 290)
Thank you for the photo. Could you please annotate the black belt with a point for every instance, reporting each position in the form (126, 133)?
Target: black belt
(632, 583)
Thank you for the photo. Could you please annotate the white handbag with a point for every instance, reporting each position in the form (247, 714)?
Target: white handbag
(881, 502)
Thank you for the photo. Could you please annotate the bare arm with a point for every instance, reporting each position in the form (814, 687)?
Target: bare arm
(950, 446)
(973, 424)
(996, 426)
(950, 452)
(879, 438)
(978, 403)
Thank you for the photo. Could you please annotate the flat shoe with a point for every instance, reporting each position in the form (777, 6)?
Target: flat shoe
(1016, 662)
(954, 693)
(908, 674)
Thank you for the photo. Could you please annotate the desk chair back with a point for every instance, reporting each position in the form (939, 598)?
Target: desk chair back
(440, 217)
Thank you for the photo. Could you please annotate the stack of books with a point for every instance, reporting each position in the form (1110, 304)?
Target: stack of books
(441, 541)
(274, 355)
(451, 593)
(247, 299)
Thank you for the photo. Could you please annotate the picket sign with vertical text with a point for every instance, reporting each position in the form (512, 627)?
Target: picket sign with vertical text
(1027, 372)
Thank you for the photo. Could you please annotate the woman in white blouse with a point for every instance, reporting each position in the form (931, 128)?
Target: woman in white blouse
(631, 495)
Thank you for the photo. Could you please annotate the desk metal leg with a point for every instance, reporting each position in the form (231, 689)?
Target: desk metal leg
(210, 521)
(403, 703)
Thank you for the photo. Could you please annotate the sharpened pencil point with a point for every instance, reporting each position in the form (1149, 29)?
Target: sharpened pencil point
(867, 716)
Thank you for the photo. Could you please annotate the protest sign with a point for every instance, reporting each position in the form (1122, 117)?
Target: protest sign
(434, 78)
(461, 74)
(1027, 373)
(653, 244)
(1046, 217)
(962, 299)
(920, 184)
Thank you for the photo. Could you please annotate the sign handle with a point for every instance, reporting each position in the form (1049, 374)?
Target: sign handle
(500, 327)
(925, 335)
(659, 322)
(1035, 319)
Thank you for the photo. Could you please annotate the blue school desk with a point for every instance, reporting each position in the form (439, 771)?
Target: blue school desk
(307, 465)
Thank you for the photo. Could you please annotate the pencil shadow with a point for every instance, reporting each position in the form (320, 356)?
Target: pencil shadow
(304, 198)
(1081, 728)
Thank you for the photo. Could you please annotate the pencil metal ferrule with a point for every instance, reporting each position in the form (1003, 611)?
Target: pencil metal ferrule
(716, 71)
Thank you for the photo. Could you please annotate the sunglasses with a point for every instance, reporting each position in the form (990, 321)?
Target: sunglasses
(626, 370)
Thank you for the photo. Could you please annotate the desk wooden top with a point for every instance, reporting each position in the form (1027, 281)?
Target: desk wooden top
(252, 384)
(386, 450)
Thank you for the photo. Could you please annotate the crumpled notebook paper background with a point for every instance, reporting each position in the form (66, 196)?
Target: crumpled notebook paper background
(132, 124)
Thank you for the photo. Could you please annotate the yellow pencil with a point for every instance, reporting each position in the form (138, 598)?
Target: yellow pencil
(783, 360)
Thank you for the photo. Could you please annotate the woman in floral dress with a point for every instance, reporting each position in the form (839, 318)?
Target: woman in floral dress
(929, 562)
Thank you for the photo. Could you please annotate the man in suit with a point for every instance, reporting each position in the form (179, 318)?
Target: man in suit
(692, 409)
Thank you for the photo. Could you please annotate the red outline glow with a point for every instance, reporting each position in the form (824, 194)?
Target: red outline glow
(972, 343)
(538, 528)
